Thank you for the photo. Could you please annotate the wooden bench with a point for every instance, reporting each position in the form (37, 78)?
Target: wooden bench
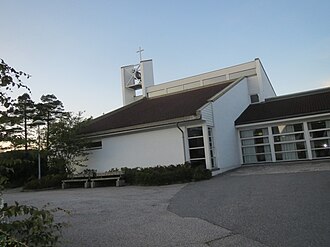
(91, 180)
(108, 176)
(76, 178)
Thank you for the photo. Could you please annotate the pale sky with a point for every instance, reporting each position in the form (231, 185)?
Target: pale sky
(75, 48)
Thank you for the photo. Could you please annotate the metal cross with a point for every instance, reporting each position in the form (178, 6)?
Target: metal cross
(140, 51)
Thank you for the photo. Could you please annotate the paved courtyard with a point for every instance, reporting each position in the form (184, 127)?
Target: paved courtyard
(255, 206)
(282, 205)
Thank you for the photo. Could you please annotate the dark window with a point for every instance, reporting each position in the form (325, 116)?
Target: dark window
(258, 132)
(259, 149)
(318, 134)
(302, 155)
(320, 143)
(297, 127)
(196, 142)
(261, 157)
(321, 153)
(195, 131)
(254, 98)
(317, 125)
(94, 145)
(200, 162)
(197, 153)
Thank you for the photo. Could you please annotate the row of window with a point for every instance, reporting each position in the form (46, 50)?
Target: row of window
(197, 148)
(288, 142)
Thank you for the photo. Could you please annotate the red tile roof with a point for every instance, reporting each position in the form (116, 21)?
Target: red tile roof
(151, 110)
(290, 106)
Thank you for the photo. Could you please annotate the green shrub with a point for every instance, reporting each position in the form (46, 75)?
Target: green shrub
(24, 165)
(49, 181)
(29, 226)
(201, 174)
(163, 175)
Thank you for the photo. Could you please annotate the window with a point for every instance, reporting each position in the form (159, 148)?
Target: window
(289, 142)
(255, 145)
(212, 147)
(196, 146)
(254, 98)
(319, 124)
(94, 145)
(319, 132)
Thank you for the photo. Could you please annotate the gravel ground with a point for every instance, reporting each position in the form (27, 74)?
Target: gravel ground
(127, 216)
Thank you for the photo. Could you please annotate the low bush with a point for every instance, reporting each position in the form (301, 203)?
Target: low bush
(164, 175)
(49, 181)
(23, 226)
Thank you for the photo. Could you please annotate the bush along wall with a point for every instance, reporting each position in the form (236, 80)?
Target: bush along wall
(164, 175)
(47, 182)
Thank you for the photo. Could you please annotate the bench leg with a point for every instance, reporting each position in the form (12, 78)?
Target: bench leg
(86, 184)
(63, 185)
(120, 183)
(92, 184)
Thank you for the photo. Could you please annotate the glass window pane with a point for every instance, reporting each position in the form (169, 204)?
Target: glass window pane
(200, 162)
(320, 134)
(319, 124)
(249, 159)
(289, 146)
(298, 127)
(260, 132)
(286, 138)
(261, 140)
(248, 150)
(196, 142)
(197, 153)
(321, 153)
(320, 143)
(302, 155)
(195, 131)
(300, 145)
(252, 133)
(247, 142)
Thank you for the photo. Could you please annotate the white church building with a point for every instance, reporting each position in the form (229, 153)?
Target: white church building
(221, 119)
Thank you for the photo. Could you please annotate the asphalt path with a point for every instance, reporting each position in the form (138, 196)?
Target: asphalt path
(283, 205)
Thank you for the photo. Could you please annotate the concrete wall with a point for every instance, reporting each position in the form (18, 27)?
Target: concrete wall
(226, 110)
(143, 149)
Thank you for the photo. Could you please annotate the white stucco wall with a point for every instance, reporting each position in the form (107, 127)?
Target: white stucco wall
(266, 88)
(142, 149)
(226, 110)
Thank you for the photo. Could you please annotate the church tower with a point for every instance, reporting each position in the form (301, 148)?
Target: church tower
(135, 80)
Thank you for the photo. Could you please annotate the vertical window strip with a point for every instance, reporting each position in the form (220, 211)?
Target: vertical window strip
(196, 145)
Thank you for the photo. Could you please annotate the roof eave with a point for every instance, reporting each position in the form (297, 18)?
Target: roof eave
(141, 127)
(283, 119)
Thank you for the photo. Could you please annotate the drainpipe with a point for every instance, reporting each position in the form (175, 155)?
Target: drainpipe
(183, 142)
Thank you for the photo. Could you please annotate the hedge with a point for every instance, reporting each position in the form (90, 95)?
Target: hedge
(164, 175)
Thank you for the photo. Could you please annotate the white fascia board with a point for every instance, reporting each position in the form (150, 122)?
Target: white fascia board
(141, 127)
(294, 119)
